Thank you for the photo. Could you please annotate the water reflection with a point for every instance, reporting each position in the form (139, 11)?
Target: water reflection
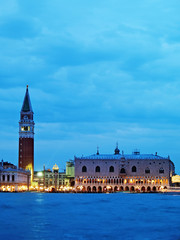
(89, 216)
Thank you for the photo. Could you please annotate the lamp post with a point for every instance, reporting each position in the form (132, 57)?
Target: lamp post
(44, 180)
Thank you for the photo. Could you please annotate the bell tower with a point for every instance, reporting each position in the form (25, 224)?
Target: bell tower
(26, 136)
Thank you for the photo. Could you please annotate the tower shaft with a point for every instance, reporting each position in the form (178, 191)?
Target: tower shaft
(26, 136)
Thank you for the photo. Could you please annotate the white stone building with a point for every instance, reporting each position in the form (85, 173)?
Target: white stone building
(123, 172)
(13, 179)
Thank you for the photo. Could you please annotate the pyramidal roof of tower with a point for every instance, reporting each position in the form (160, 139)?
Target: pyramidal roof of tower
(26, 107)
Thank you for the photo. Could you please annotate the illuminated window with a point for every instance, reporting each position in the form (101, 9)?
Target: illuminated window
(25, 128)
(111, 169)
(134, 169)
(84, 169)
(97, 169)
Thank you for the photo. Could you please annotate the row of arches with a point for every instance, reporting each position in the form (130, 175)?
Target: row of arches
(122, 181)
(111, 169)
(7, 178)
(104, 189)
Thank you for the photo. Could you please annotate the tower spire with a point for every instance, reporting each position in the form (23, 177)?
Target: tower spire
(26, 107)
(97, 150)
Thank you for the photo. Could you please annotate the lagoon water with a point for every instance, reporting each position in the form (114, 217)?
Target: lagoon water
(116, 216)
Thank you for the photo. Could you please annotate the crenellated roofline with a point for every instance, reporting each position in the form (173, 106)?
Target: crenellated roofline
(124, 156)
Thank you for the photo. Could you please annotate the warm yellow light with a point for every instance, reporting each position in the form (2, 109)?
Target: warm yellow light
(55, 167)
(39, 174)
(176, 179)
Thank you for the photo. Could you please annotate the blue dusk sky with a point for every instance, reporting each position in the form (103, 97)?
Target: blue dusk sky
(99, 72)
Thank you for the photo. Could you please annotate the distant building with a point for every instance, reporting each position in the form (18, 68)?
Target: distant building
(123, 172)
(53, 180)
(176, 180)
(70, 171)
(6, 165)
(26, 136)
(13, 179)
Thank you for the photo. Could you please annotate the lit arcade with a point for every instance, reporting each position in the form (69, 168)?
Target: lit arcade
(123, 172)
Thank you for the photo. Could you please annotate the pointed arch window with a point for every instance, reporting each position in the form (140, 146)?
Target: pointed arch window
(147, 170)
(134, 169)
(122, 170)
(161, 170)
(84, 169)
(97, 168)
(111, 169)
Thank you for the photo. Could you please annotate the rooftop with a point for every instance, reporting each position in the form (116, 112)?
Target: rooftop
(120, 156)
(14, 170)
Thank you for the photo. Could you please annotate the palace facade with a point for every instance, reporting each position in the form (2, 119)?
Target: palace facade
(123, 172)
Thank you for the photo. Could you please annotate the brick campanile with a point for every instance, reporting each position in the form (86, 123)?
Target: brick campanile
(26, 136)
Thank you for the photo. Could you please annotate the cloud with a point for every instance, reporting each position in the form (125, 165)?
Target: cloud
(9, 8)
(98, 72)
(18, 28)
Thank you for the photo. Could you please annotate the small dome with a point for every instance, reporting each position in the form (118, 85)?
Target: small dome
(116, 151)
(55, 167)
